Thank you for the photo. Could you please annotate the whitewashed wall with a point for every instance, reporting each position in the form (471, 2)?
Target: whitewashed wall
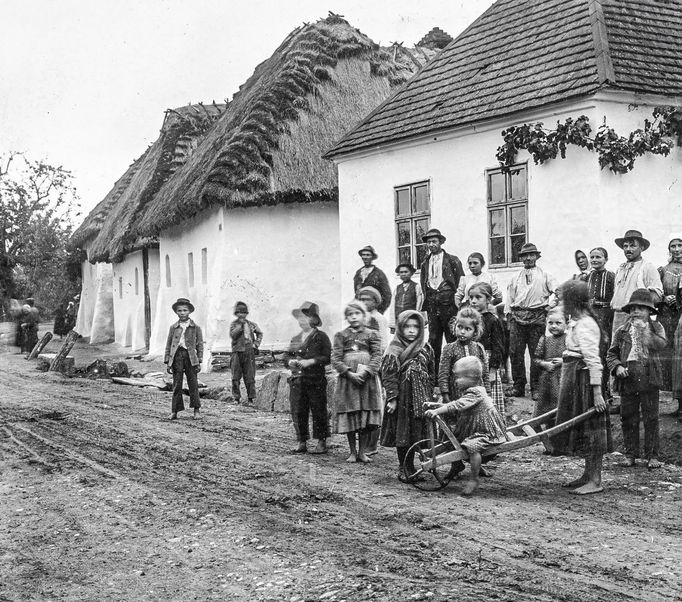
(95, 312)
(572, 203)
(272, 258)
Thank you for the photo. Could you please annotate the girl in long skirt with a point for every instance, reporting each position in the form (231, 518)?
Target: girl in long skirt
(580, 390)
(408, 374)
(356, 356)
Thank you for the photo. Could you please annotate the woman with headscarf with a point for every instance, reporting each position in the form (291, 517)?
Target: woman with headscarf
(669, 312)
(408, 373)
(583, 265)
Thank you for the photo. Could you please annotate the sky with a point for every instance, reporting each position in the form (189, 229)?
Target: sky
(85, 83)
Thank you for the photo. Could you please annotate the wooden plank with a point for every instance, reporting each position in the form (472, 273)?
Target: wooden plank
(533, 421)
(69, 342)
(40, 345)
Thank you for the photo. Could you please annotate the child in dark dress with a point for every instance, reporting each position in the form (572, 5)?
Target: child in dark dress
(548, 357)
(408, 374)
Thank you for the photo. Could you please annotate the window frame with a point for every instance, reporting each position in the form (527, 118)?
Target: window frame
(190, 270)
(506, 205)
(413, 217)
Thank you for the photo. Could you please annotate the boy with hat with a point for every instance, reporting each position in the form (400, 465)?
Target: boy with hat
(408, 294)
(371, 275)
(529, 294)
(309, 352)
(635, 273)
(184, 352)
(634, 361)
(246, 338)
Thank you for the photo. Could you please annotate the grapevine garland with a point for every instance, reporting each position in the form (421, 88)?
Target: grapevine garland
(616, 152)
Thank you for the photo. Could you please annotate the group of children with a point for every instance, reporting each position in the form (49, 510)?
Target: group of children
(388, 387)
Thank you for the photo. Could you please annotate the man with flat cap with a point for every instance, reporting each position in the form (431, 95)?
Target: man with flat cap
(439, 278)
(634, 274)
(371, 275)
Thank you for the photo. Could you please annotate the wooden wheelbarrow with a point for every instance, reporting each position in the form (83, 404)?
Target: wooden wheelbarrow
(438, 459)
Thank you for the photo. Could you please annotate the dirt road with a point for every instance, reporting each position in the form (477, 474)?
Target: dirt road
(103, 498)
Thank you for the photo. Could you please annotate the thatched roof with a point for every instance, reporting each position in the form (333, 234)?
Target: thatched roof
(267, 147)
(109, 229)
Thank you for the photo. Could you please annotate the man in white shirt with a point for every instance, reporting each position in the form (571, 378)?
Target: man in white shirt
(529, 294)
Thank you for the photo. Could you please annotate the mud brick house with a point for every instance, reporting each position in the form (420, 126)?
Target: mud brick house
(251, 214)
(427, 156)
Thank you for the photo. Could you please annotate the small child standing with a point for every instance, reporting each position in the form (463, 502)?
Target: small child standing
(408, 373)
(492, 339)
(246, 338)
(184, 352)
(479, 425)
(408, 295)
(549, 358)
(356, 356)
(371, 299)
(467, 326)
(635, 362)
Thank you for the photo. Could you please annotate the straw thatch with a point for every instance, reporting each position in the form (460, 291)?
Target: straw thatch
(267, 147)
(110, 228)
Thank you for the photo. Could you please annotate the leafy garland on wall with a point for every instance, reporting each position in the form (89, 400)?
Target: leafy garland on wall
(616, 152)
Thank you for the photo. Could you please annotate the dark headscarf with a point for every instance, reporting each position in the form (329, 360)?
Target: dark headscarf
(403, 349)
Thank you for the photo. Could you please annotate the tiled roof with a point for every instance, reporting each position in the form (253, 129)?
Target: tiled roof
(522, 54)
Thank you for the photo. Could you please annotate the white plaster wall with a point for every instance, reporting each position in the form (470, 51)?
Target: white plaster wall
(129, 301)
(95, 312)
(572, 204)
(272, 258)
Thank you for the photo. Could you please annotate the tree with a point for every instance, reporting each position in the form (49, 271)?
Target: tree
(38, 203)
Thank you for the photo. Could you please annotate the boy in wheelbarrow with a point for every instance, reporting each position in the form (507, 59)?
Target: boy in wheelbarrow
(478, 424)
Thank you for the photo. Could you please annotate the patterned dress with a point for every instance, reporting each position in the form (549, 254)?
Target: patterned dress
(669, 317)
(358, 408)
(549, 348)
(410, 385)
(493, 343)
(478, 424)
(456, 351)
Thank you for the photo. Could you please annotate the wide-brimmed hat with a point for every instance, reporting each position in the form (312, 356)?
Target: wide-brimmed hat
(240, 307)
(182, 301)
(527, 248)
(308, 309)
(369, 290)
(434, 232)
(409, 266)
(642, 296)
(369, 248)
(636, 234)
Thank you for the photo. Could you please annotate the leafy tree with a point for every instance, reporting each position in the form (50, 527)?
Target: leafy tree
(38, 203)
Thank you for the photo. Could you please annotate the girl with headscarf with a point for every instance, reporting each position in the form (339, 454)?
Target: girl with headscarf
(408, 373)
(669, 312)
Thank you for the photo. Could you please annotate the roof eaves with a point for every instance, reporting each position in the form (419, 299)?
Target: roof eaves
(605, 70)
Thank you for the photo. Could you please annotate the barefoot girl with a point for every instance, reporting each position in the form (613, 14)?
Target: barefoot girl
(408, 373)
(580, 390)
(356, 356)
(478, 425)
(492, 339)
(467, 327)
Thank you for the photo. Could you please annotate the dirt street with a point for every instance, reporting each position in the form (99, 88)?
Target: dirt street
(103, 498)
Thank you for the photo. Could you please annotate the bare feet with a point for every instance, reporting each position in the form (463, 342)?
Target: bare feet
(173, 416)
(484, 472)
(587, 489)
(629, 462)
(576, 483)
(196, 414)
(301, 448)
(364, 458)
(653, 463)
(469, 487)
(372, 452)
(352, 458)
(320, 448)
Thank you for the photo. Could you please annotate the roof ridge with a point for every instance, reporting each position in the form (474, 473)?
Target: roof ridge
(605, 71)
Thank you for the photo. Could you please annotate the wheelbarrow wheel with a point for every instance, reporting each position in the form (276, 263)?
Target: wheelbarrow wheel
(428, 480)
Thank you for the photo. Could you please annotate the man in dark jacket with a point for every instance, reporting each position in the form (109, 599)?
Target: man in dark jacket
(440, 274)
(371, 275)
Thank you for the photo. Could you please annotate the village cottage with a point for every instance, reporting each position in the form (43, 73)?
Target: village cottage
(427, 156)
(252, 213)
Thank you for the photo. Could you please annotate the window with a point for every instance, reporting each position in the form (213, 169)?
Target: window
(507, 214)
(168, 272)
(137, 282)
(412, 217)
(120, 287)
(204, 265)
(190, 269)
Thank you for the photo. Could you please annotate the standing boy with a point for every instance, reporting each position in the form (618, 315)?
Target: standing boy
(634, 361)
(408, 294)
(184, 352)
(246, 339)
